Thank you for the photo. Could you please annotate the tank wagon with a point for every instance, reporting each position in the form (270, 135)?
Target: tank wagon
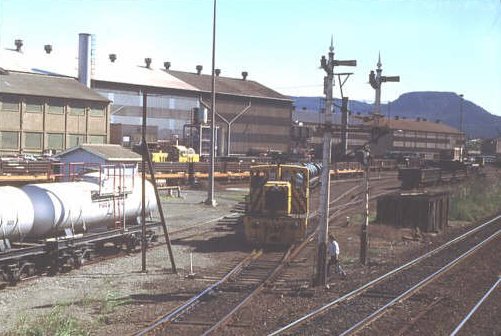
(42, 225)
(278, 206)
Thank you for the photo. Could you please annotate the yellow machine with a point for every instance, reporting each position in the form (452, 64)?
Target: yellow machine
(183, 154)
(278, 204)
(159, 156)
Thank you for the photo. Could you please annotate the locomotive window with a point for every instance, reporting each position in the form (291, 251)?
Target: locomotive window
(299, 180)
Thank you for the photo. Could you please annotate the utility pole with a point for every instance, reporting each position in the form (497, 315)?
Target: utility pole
(328, 66)
(210, 192)
(461, 127)
(144, 152)
(364, 234)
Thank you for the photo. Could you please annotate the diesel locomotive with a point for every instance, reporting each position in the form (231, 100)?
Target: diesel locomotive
(278, 208)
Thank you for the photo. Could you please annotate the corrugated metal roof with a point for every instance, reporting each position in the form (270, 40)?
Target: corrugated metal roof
(139, 75)
(106, 71)
(46, 86)
(106, 151)
(226, 85)
(119, 72)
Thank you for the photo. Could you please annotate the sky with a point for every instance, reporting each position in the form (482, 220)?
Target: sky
(433, 45)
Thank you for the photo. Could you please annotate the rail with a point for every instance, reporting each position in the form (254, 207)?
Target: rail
(195, 299)
(479, 303)
(380, 279)
(361, 324)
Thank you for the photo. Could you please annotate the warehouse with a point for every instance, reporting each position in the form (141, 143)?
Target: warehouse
(46, 113)
(396, 137)
(249, 116)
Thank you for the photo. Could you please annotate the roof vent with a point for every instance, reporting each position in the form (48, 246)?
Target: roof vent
(217, 72)
(48, 48)
(19, 45)
(113, 57)
(167, 65)
(199, 69)
(148, 62)
(244, 75)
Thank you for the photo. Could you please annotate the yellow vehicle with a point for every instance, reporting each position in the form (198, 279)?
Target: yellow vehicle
(183, 154)
(159, 156)
(278, 203)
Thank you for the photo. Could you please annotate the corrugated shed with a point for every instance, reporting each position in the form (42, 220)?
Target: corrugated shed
(106, 152)
(19, 83)
(231, 86)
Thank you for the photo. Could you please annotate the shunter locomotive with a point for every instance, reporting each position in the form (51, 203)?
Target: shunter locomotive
(278, 203)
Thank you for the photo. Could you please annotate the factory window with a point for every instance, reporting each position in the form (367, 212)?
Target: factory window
(9, 140)
(34, 106)
(33, 140)
(398, 144)
(9, 104)
(96, 111)
(97, 139)
(76, 139)
(55, 141)
(77, 110)
(55, 107)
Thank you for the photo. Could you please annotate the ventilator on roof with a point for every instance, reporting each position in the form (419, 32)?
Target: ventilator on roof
(19, 45)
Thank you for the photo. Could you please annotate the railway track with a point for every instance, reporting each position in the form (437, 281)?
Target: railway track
(213, 307)
(355, 310)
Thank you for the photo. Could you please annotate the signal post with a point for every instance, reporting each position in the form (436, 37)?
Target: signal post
(327, 64)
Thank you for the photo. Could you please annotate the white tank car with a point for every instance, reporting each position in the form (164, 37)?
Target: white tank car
(43, 210)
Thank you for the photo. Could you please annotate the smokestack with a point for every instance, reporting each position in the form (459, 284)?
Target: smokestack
(19, 45)
(48, 48)
(167, 65)
(244, 75)
(199, 69)
(147, 61)
(84, 58)
(217, 72)
(113, 57)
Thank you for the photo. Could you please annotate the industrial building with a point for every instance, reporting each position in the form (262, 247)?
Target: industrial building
(395, 137)
(249, 115)
(44, 113)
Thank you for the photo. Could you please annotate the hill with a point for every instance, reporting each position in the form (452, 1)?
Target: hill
(445, 106)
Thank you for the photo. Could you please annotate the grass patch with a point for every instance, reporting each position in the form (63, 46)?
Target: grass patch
(57, 323)
(475, 200)
(111, 301)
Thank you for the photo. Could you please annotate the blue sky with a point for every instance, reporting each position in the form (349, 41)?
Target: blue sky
(433, 45)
